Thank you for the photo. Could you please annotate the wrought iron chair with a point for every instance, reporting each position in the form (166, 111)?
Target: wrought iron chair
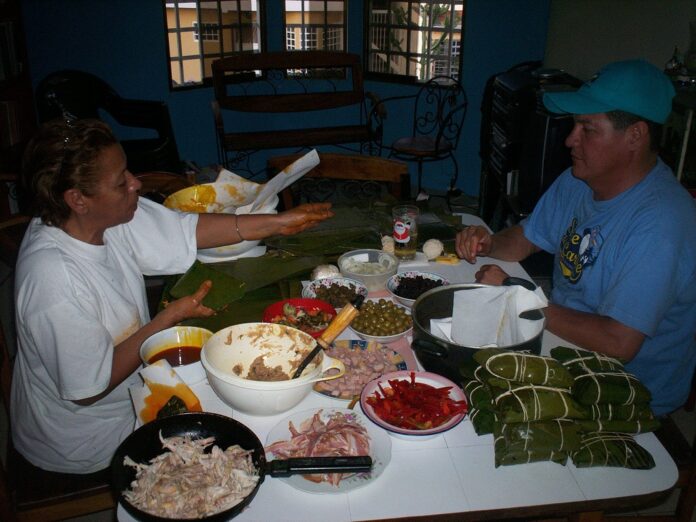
(72, 94)
(439, 109)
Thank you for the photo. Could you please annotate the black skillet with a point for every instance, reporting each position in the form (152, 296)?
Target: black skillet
(144, 444)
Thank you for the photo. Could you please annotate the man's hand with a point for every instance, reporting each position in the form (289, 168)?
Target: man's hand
(303, 216)
(473, 241)
(491, 275)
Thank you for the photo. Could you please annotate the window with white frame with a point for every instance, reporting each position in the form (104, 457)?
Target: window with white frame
(290, 39)
(201, 31)
(414, 39)
(209, 32)
(321, 24)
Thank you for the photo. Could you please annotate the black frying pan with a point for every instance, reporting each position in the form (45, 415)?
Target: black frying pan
(144, 444)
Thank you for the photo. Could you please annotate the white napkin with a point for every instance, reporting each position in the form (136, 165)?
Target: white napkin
(286, 177)
(489, 316)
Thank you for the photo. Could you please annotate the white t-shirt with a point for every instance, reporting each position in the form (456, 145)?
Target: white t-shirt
(75, 302)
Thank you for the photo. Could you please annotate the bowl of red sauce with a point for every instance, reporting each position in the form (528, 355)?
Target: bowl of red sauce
(181, 347)
(311, 316)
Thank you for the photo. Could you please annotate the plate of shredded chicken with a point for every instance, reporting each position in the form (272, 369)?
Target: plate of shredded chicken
(329, 432)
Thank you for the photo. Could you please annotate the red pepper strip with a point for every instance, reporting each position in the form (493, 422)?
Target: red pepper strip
(408, 404)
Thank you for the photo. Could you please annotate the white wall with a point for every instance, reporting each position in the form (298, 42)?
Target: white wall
(586, 34)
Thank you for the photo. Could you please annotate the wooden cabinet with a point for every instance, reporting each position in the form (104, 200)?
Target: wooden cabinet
(17, 118)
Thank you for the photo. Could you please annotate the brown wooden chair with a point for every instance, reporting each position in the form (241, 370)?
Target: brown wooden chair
(27, 492)
(358, 177)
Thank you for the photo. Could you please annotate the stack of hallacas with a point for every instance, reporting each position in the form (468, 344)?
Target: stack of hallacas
(539, 408)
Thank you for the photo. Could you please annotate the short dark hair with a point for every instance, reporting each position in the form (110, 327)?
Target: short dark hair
(621, 120)
(62, 155)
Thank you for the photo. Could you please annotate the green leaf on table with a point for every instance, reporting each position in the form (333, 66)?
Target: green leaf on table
(225, 289)
(327, 242)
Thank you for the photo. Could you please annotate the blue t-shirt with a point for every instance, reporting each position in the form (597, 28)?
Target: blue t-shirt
(631, 258)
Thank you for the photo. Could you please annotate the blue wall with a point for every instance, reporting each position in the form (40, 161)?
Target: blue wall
(123, 42)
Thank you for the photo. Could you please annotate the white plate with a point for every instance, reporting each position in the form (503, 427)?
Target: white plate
(220, 254)
(432, 379)
(380, 451)
(359, 346)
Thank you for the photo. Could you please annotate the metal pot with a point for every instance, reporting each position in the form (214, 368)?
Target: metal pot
(446, 357)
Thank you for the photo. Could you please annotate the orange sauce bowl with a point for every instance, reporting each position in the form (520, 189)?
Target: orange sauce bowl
(181, 347)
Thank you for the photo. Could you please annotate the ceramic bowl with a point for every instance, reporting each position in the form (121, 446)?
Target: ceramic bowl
(232, 355)
(168, 344)
(431, 379)
(275, 313)
(394, 281)
(371, 267)
(318, 286)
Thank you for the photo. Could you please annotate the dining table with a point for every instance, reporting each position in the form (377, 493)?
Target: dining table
(451, 476)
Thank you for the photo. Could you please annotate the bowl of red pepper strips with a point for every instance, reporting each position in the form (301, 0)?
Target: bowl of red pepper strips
(414, 403)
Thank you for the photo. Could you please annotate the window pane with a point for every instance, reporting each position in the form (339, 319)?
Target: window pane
(202, 31)
(420, 39)
(315, 25)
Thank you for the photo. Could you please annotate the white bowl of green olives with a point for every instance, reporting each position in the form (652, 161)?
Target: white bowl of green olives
(382, 320)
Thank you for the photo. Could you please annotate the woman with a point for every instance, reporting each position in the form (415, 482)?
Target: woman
(81, 303)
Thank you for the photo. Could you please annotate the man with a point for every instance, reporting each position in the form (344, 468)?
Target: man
(623, 231)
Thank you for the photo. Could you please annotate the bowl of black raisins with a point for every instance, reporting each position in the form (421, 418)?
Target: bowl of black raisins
(406, 287)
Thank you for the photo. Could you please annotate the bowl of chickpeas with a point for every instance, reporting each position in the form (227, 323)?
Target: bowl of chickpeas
(382, 320)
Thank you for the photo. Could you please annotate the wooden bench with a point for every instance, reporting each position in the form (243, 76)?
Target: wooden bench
(278, 87)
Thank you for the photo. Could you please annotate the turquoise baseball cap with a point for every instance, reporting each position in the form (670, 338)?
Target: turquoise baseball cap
(633, 86)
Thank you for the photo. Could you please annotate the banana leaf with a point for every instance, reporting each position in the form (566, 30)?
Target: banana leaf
(482, 421)
(620, 426)
(610, 387)
(526, 368)
(543, 436)
(629, 412)
(528, 403)
(611, 449)
(478, 395)
(257, 272)
(583, 361)
(504, 457)
(224, 291)
(332, 242)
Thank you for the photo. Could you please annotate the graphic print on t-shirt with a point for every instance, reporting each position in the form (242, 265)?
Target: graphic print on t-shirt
(579, 250)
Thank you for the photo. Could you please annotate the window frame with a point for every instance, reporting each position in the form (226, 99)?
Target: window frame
(385, 29)
(234, 29)
(325, 27)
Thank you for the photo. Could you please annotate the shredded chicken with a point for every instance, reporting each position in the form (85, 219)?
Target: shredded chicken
(187, 483)
(340, 436)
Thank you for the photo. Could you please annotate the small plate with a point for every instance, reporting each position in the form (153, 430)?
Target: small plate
(380, 451)
(433, 379)
(358, 346)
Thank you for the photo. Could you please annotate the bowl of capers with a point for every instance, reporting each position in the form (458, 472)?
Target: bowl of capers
(382, 320)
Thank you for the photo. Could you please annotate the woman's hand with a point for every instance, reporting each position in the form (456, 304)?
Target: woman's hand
(473, 241)
(303, 216)
(188, 306)
(491, 275)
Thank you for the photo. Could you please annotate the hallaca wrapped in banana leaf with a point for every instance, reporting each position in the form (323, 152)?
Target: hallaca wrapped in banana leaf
(620, 412)
(610, 387)
(528, 403)
(583, 361)
(521, 367)
(482, 420)
(478, 395)
(611, 449)
(619, 426)
(556, 435)
(516, 453)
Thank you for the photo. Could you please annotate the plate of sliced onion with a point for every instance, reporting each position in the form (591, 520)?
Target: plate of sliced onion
(329, 432)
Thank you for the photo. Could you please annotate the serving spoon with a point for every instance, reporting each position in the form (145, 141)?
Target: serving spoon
(336, 326)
